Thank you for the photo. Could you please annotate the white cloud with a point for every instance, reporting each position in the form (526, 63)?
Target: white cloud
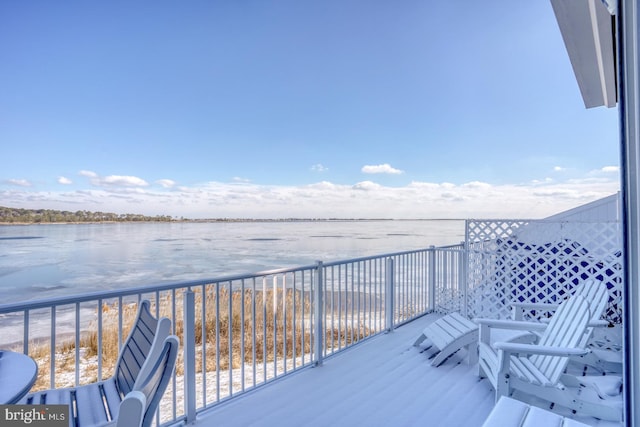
(19, 182)
(384, 168)
(477, 185)
(425, 185)
(543, 181)
(366, 186)
(559, 169)
(319, 168)
(113, 180)
(325, 199)
(65, 181)
(88, 174)
(240, 179)
(166, 183)
(605, 172)
(610, 169)
(323, 185)
(124, 181)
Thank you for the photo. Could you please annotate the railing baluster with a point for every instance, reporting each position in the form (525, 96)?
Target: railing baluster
(284, 322)
(77, 344)
(242, 334)
(369, 291)
(203, 340)
(432, 278)
(230, 337)
(318, 314)
(25, 340)
(217, 342)
(462, 279)
(352, 279)
(302, 319)
(253, 328)
(377, 308)
(274, 286)
(264, 329)
(359, 300)
(100, 339)
(389, 294)
(120, 308)
(333, 308)
(294, 327)
(52, 349)
(174, 391)
(340, 309)
(189, 356)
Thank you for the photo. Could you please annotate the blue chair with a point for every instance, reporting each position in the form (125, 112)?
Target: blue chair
(99, 403)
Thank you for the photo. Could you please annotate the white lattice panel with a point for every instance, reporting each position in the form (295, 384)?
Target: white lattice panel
(539, 261)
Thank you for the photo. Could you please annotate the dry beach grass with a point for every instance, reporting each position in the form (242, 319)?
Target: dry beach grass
(251, 327)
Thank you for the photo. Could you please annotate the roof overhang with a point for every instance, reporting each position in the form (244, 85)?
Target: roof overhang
(587, 28)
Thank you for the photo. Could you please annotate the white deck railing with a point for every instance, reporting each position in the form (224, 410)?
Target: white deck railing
(237, 333)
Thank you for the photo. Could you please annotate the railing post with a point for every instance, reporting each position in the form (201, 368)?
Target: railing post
(189, 339)
(389, 294)
(462, 277)
(432, 278)
(319, 314)
(52, 359)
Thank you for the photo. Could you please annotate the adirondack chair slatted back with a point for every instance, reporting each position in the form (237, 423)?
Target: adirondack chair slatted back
(597, 295)
(154, 385)
(138, 347)
(566, 329)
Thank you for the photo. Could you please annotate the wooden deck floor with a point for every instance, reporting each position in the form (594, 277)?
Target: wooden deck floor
(382, 382)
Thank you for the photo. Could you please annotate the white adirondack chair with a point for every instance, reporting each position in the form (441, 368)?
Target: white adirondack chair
(453, 331)
(537, 369)
(98, 403)
(597, 295)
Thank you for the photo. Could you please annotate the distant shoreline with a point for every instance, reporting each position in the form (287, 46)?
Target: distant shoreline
(229, 220)
(20, 216)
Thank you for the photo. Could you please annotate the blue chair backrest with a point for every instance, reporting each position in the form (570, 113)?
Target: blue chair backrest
(144, 341)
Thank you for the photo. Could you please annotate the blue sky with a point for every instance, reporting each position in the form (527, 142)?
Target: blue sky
(412, 109)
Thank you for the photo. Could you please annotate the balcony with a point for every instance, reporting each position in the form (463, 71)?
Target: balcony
(330, 342)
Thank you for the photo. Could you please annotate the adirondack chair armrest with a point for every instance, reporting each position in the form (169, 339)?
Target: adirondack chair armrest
(518, 325)
(536, 305)
(485, 326)
(517, 348)
(599, 323)
(132, 410)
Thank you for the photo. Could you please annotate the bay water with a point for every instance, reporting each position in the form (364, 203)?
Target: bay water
(48, 260)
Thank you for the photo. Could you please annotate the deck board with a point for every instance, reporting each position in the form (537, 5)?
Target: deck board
(383, 381)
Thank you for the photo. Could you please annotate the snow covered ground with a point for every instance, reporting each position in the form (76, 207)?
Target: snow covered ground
(382, 382)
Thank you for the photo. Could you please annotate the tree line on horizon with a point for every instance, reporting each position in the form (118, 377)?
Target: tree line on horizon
(45, 216)
(35, 216)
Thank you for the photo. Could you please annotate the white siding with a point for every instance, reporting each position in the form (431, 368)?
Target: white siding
(603, 210)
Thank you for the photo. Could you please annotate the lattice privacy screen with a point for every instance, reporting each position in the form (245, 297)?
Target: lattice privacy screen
(539, 261)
